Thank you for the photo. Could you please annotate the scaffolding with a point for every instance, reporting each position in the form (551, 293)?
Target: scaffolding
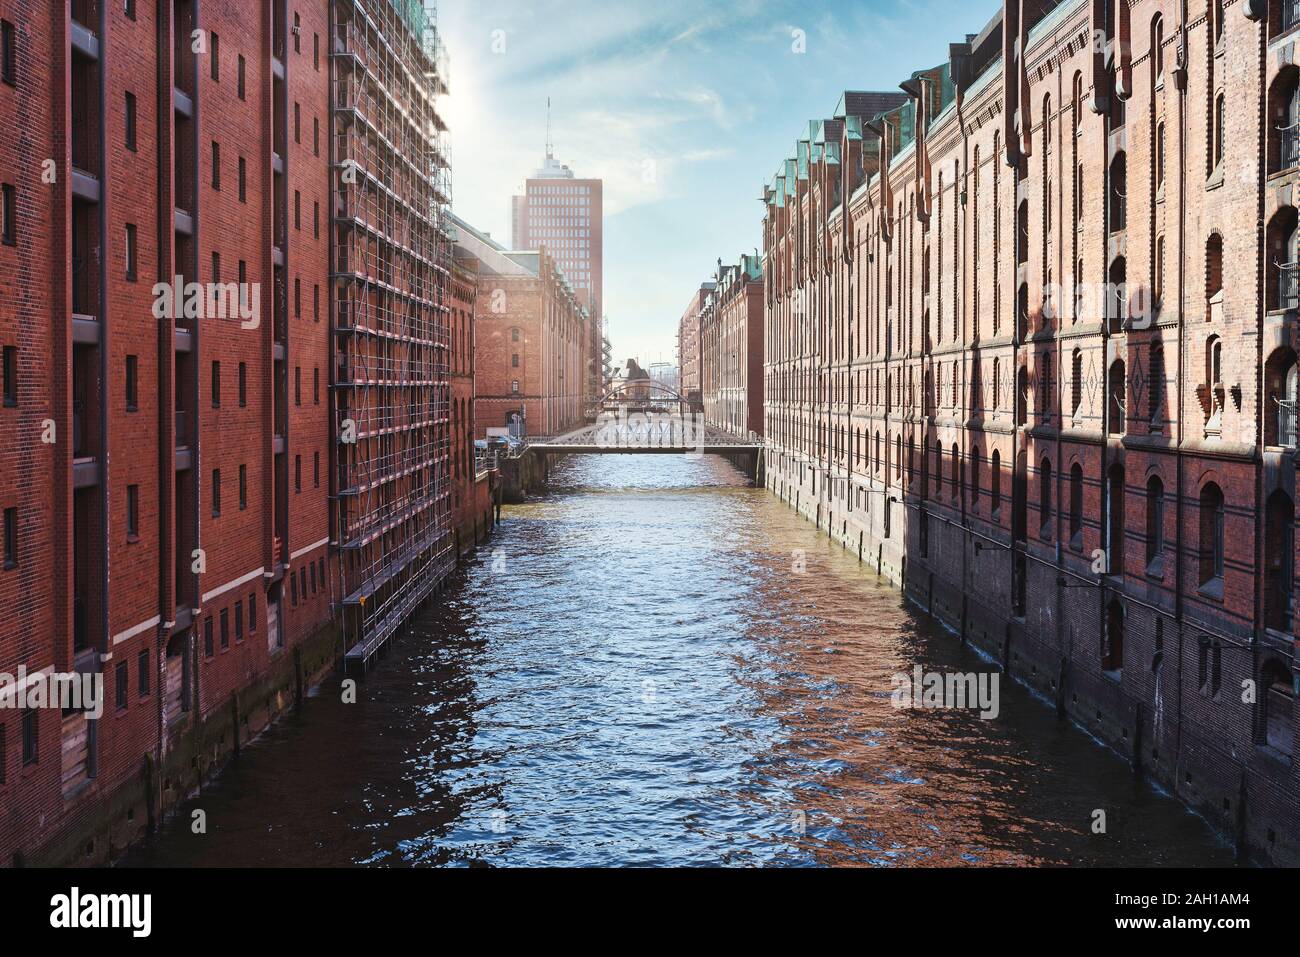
(391, 287)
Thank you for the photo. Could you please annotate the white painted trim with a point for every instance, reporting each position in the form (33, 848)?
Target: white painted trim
(310, 548)
(208, 596)
(132, 632)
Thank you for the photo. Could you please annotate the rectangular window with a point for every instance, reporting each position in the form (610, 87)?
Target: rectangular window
(241, 77)
(215, 54)
(312, 566)
(514, 385)
(31, 746)
(297, 33)
(120, 685)
(130, 122)
(207, 637)
(514, 361)
(293, 589)
(315, 220)
(243, 180)
(243, 385)
(297, 297)
(315, 51)
(216, 267)
(225, 628)
(130, 9)
(216, 165)
(315, 135)
(10, 375)
(3, 742)
(130, 252)
(8, 53)
(142, 674)
(11, 537)
(216, 384)
(297, 385)
(252, 613)
(8, 214)
(133, 511)
(315, 386)
(132, 383)
(216, 492)
(243, 487)
(315, 469)
(297, 473)
(315, 302)
(297, 123)
(239, 622)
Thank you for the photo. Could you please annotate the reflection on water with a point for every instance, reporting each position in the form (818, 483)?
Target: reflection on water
(636, 672)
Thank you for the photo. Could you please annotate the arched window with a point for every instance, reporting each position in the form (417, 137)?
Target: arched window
(1076, 103)
(1212, 534)
(1213, 278)
(1022, 233)
(938, 467)
(1118, 412)
(1160, 160)
(1115, 520)
(1076, 505)
(976, 465)
(1076, 382)
(1218, 142)
(1022, 395)
(995, 482)
(997, 383)
(1118, 192)
(1112, 657)
(1277, 704)
(1279, 561)
(1156, 398)
(1284, 115)
(1155, 524)
(1157, 51)
(1280, 389)
(1045, 498)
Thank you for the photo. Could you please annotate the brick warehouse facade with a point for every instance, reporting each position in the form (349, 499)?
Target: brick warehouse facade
(532, 340)
(180, 504)
(688, 347)
(1030, 351)
(731, 348)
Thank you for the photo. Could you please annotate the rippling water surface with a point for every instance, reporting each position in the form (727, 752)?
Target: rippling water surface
(634, 672)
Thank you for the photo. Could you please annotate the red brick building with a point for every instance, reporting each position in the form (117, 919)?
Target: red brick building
(197, 497)
(688, 347)
(731, 348)
(531, 341)
(1031, 339)
(474, 485)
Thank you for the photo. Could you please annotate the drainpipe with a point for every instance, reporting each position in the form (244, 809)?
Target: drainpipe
(1180, 80)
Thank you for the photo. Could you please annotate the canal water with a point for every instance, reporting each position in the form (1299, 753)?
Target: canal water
(657, 665)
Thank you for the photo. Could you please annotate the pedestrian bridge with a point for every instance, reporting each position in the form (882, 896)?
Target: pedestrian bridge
(647, 434)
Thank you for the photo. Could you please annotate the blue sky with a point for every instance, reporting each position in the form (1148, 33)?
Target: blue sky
(683, 107)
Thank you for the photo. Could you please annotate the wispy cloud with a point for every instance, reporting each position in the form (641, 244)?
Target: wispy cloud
(683, 107)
